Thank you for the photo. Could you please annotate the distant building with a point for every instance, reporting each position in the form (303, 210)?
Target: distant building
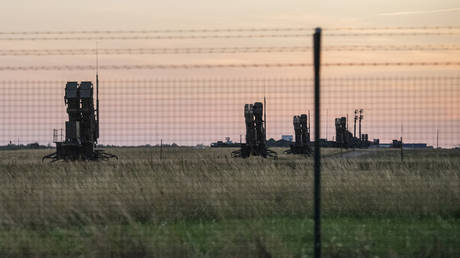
(382, 145)
(415, 145)
(288, 138)
(227, 143)
(397, 144)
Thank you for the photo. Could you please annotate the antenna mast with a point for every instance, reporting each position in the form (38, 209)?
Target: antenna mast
(327, 114)
(265, 113)
(360, 119)
(265, 116)
(97, 90)
(402, 155)
(354, 126)
(437, 138)
(347, 121)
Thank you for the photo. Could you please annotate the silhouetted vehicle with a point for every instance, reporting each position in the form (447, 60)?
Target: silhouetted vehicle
(82, 129)
(302, 136)
(256, 144)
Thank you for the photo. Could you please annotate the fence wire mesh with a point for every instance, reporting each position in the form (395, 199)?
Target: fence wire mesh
(173, 114)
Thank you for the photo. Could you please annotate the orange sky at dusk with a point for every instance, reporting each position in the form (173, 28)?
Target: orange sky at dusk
(422, 98)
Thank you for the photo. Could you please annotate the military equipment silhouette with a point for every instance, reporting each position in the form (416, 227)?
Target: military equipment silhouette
(82, 129)
(345, 139)
(302, 136)
(256, 142)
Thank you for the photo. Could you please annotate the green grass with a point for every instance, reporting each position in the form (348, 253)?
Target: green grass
(202, 203)
(279, 237)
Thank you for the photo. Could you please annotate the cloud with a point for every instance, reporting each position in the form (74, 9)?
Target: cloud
(421, 12)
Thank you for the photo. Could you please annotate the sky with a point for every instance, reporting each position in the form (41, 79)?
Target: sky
(111, 14)
(137, 112)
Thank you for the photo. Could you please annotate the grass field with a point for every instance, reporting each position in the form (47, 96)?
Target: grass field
(202, 203)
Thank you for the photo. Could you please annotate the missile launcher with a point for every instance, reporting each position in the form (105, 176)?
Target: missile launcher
(82, 128)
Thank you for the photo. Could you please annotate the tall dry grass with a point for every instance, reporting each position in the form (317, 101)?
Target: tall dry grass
(206, 183)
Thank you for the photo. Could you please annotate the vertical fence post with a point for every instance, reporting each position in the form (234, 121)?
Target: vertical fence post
(437, 138)
(317, 154)
(161, 149)
(402, 154)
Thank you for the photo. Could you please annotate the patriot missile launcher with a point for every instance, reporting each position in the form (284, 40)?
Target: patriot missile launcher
(256, 142)
(82, 128)
(302, 136)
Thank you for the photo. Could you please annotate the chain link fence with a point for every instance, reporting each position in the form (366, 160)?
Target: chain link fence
(174, 111)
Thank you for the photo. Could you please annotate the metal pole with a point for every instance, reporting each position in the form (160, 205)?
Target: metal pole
(327, 115)
(161, 149)
(265, 114)
(402, 155)
(347, 121)
(360, 119)
(437, 138)
(360, 128)
(354, 126)
(97, 93)
(317, 164)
